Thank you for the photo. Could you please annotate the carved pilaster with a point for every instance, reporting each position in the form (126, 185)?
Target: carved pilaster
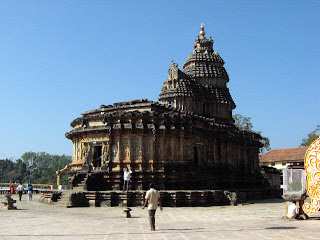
(181, 147)
(140, 147)
(85, 152)
(115, 152)
(150, 152)
(105, 152)
(126, 156)
(74, 158)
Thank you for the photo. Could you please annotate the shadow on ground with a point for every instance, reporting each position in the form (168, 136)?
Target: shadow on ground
(280, 228)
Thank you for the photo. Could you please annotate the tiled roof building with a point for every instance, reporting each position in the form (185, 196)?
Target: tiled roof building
(280, 158)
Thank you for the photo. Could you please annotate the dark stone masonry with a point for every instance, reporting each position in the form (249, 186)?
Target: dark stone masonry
(187, 141)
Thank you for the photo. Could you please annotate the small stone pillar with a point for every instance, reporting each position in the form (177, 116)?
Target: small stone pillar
(126, 213)
(9, 203)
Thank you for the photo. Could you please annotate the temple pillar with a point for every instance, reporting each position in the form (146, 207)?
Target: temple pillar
(181, 147)
(139, 151)
(222, 151)
(74, 159)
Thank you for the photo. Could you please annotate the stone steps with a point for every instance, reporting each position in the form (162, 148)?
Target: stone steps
(64, 200)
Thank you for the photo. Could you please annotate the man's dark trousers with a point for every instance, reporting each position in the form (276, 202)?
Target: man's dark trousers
(20, 195)
(152, 219)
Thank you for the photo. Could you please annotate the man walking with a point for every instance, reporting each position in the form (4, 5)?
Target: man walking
(153, 198)
(126, 178)
(20, 190)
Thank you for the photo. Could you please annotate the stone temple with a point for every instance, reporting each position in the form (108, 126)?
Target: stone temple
(187, 141)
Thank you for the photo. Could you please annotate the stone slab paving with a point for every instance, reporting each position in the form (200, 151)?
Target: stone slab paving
(259, 220)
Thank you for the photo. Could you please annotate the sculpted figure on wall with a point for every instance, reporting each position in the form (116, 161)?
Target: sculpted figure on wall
(85, 151)
(106, 157)
(114, 152)
(127, 153)
(105, 153)
(138, 151)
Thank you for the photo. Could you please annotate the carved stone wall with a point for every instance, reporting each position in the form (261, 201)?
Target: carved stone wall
(171, 156)
(187, 142)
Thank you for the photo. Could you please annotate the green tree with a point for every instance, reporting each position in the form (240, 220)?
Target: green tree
(311, 137)
(244, 124)
(29, 158)
(7, 170)
(40, 167)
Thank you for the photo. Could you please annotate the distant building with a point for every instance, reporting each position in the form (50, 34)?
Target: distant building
(281, 158)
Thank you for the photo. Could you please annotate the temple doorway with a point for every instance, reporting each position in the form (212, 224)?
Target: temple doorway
(97, 155)
(196, 156)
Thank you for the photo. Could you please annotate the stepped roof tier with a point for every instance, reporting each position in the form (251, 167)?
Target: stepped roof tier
(145, 114)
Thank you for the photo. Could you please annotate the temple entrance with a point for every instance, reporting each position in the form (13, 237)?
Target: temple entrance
(196, 156)
(97, 155)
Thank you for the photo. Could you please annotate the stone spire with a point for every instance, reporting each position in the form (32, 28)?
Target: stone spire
(201, 87)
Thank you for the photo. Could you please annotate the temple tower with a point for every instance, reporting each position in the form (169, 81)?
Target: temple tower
(189, 141)
(201, 87)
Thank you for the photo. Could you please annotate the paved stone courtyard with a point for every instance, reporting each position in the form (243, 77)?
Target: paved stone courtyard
(257, 220)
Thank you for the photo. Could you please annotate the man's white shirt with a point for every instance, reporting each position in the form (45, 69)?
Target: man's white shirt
(292, 210)
(127, 175)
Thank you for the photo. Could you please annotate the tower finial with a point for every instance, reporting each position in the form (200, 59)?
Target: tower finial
(202, 32)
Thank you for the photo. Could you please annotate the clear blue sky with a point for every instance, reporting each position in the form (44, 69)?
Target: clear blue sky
(61, 58)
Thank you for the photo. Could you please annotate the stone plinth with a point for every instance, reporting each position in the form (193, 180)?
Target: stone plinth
(170, 198)
(9, 203)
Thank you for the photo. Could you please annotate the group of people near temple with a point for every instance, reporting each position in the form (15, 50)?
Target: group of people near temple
(152, 198)
(20, 190)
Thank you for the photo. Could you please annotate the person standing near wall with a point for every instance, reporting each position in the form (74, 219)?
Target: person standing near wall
(153, 198)
(126, 178)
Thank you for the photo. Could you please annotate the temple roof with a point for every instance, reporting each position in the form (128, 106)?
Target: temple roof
(145, 114)
(207, 70)
(203, 63)
(215, 58)
(188, 87)
(143, 108)
(203, 79)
